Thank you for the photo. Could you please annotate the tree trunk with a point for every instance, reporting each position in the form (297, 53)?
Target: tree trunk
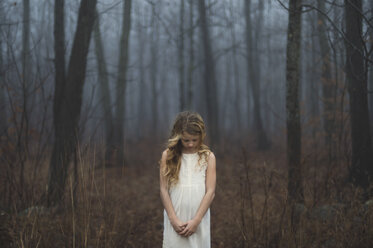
(58, 165)
(210, 77)
(118, 138)
(154, 46)
(361, 170)
(22, 142)
(236, 73)
(26, 40)
(339, 62)
(313, 90)
(328, 84)
(295, 187)
(68, 94)
(141, 33)
(3, 112)
(253, 81)
(181, 57)
(371, 68)
(191, 57)
(104, 90)
(226, 113)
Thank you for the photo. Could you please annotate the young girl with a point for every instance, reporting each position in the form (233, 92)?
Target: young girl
(187, 184)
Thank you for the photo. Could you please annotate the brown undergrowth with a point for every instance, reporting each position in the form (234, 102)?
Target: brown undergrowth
(120, 206)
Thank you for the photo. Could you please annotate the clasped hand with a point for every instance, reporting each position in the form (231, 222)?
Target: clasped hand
(185, 229)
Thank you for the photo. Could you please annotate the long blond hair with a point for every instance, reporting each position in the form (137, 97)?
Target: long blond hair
(185, 122)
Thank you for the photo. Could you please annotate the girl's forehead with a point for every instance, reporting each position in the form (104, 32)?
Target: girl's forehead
(186, 135)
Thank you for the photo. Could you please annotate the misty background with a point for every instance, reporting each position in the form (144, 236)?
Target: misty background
(283, 85)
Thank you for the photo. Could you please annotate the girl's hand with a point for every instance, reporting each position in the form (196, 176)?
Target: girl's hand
(190, 228)
(178, 225)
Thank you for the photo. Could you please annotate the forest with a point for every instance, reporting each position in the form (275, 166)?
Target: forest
(89, 91)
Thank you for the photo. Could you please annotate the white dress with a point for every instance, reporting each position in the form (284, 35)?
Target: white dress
(186, 197)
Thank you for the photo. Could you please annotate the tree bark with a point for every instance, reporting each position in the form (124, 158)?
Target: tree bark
(26, 40)
(154, 59)
(104, 90)
(253, 80)
(68, 95)
(228, 99)
(313, 87)
(209, 76)
(3, 112)
(118, 138)
(361, 169)
(371, 68)
(328, 84)
(181, 57)
(22, 142)
(142, 35)
(236, 74)
(58, 165)
(295, 187)
(191, 56)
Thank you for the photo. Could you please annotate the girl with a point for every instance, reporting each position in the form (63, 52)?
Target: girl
(187, 184)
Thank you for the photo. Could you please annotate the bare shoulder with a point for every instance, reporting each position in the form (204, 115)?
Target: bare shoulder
(164, 155)
(211, 157)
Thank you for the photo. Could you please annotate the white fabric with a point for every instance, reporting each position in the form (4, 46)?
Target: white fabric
(186, 197)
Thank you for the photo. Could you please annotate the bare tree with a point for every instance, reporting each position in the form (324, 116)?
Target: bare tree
(253, 78)
(371, 65)
(236, 72)
(295, 187)
(142, 39)
(209, 76)
(328, 84)
(104, 90)
(68, 94)
(361, 169)
(23, 136)
(26, 40)
(312, 84)
(154, 67)
(181, 56)
(191, 56)
(118, 139)
(3, 112)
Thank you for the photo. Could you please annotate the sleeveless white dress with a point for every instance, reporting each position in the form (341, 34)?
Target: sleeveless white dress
(186, 197)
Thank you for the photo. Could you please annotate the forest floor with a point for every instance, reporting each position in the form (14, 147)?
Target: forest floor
(121, 207)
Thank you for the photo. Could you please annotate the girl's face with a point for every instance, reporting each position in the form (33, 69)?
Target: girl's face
(190, 142)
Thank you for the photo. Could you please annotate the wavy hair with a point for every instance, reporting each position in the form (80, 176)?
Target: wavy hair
(185, 122)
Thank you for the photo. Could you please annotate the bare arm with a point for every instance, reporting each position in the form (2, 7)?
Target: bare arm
(165, 197)
(206, 200)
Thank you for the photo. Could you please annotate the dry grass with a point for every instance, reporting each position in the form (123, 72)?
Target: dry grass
(120, 207)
